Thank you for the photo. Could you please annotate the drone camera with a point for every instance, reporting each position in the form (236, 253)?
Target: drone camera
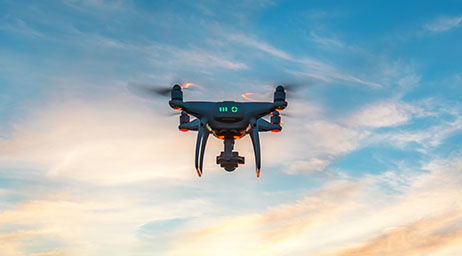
(230, 162)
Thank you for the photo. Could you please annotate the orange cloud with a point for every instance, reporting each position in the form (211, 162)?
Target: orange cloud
(345, 219)
(425, 236)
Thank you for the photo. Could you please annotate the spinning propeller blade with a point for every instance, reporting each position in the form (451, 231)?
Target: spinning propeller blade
(149, 90)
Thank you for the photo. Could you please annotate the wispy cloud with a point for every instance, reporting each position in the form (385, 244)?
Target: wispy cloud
(307, 67)
(262, 46)
(445, 23)
(326, 41)
(20, 26)
(102, 5)
(429, 137)
(162, 55)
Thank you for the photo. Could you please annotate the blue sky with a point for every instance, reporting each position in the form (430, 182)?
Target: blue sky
(368, 163)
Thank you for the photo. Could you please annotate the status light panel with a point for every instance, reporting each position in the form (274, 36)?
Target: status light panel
(225, 109)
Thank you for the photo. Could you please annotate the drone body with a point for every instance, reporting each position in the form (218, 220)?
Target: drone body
(229, 121)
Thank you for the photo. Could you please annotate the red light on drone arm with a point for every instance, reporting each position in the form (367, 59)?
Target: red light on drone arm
(184, 130)
(275, 130)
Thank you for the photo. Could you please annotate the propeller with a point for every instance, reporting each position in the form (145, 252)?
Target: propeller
(292, 90)
(150, 90)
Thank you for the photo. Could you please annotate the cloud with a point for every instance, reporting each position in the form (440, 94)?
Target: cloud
(420, 237)
(102, 5)
(314, 164)
(262, 46)
(382, 114)
(314, 145)
(106, 141)
(198, 58)
(11, 242)
(80, 223)
(429, 137)
(20, 26)
(168, 56)
(50, 253)
(345, 218)
(325, 73)
(311, 146)
(308, 67)
(326, 41)
(442, 24)
(261, 233)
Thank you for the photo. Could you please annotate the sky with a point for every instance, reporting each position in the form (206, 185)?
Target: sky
(369, 161)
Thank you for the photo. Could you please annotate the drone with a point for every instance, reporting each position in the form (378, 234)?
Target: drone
(228, 121)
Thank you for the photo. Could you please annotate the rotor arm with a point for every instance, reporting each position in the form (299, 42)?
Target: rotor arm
(254, 136)
(265, 126)
(191, 126)
(199, 109)
(260, 109)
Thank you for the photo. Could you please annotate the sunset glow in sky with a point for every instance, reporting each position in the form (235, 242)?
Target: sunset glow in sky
(369, 161)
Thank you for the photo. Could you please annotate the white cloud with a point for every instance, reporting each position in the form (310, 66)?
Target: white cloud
(313, 146)
(311, 68)
(325, 73)
(442, 24)
(97, 223)
(106, 142)
(381, 114)
(163, 55)
(307, 166)
(262, 46)
(430, 137)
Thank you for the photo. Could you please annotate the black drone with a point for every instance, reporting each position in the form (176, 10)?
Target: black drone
(229, 121)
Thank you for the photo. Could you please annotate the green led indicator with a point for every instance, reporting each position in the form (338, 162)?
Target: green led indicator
(234, 109)
(223, 109)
